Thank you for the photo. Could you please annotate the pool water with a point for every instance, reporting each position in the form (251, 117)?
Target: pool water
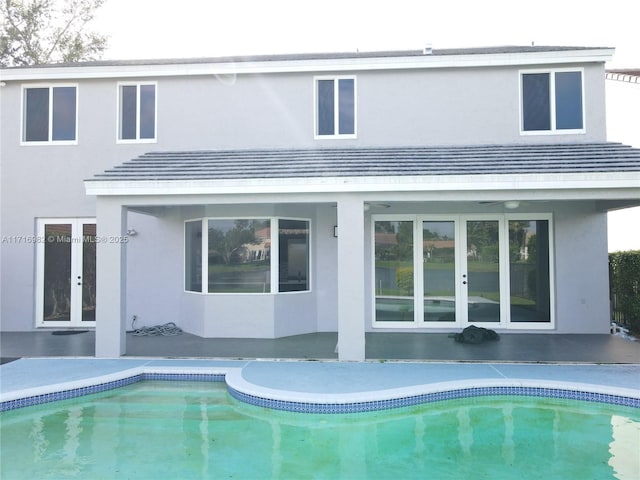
(182, 430)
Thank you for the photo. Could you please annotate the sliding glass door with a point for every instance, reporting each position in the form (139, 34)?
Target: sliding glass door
(481, 267)
(439, 271)
(455, 271)
(394, 271)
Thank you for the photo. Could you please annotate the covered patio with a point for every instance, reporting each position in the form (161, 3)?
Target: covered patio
(380, 347)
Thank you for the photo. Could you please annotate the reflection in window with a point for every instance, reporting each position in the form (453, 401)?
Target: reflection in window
(57, 272)
(438, 257)
(193, 256)
(483, 268)
(529, 271)
(49, 114)
(293, 240)
(89, 272)
(239, 256)
(394, 284)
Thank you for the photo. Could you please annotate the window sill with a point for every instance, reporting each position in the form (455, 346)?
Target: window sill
(552, 132)
(136, 141)
(335, 137)
(47, 144)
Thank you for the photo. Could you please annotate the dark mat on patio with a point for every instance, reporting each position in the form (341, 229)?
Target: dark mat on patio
(68, 332)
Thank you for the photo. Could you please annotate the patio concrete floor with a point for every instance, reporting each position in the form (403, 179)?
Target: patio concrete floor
(437, 347)
(303, 368)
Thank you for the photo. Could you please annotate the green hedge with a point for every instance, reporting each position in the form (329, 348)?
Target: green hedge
(624, 283)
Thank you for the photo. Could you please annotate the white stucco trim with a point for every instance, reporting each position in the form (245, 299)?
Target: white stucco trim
(229, 67)
(596, 185)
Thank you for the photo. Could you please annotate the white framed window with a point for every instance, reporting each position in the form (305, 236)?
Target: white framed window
(335, 107)
(137, 112)
(50, 114)
(244, 255)
(552, 102)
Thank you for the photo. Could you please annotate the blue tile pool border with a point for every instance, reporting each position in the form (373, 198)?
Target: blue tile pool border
(104, 386)
(328, 407)
(369, 406)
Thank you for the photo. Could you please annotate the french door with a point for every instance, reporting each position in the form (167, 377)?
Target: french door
(66, 273)
(454, 271)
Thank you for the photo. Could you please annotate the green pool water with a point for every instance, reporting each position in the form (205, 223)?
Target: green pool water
(182, 430)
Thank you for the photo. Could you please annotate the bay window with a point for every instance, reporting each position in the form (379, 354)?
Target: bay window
(242, 255)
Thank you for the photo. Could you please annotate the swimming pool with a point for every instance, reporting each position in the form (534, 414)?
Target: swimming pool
(165, 429)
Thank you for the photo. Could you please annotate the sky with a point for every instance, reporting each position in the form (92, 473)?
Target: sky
(147, 29)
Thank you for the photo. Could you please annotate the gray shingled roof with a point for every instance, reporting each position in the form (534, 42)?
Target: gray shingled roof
(362, 162)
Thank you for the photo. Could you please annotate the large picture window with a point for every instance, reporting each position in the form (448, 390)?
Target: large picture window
(552, 101)
(240, 255)
(335, 107)
(50, 114)
(137, 112)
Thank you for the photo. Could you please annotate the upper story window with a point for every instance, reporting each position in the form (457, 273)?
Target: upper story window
(552, 102)
(137, 112)
(335, 107)
(50, 114)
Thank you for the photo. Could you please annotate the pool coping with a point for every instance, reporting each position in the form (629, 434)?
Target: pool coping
(298, 400)
(312, 402)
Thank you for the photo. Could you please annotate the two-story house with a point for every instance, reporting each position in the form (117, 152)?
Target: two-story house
(262, 197)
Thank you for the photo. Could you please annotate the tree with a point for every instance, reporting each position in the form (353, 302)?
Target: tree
(37, 32)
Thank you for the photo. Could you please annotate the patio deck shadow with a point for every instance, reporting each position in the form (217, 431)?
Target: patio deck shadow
(512, 347)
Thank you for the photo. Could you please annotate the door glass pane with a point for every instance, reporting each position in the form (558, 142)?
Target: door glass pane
(483, 271)
(529, 271)
(394, 271)
(438, 258)
(293, 241)
(88, 272)
(57, 273)
(239, 256)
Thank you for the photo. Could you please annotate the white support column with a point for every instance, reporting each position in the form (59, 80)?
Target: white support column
(351, 299)
(111, 223)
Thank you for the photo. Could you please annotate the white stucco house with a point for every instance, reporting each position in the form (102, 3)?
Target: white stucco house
(262, 197)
